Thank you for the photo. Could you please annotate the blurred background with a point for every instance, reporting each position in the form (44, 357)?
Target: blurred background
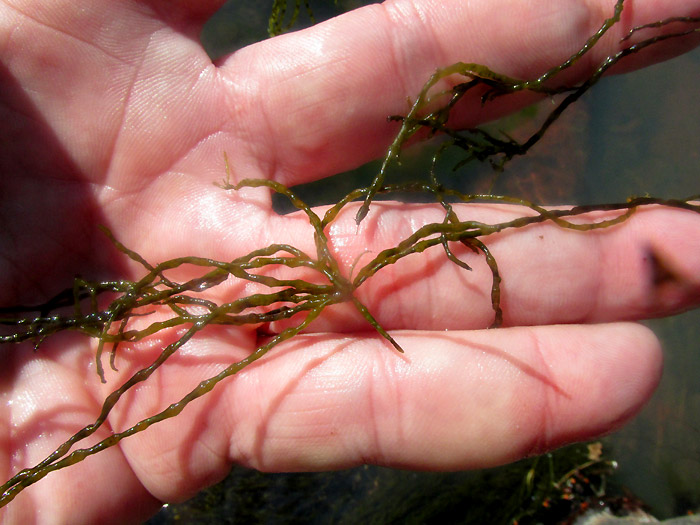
(631, 135)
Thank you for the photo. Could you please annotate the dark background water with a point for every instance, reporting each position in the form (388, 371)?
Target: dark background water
(632, 135)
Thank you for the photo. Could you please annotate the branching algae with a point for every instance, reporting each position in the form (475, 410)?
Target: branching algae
(288, 298)
(276, 25)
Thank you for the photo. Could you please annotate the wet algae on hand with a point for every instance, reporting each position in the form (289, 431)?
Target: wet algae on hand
(189, 305)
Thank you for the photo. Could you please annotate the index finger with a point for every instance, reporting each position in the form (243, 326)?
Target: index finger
(325, 92)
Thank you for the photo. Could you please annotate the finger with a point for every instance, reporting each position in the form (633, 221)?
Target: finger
(645, 267)
(325, 96)
(457, 400)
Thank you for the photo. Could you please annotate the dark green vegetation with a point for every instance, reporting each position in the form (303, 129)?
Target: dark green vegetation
(303, 300)
(548, 489)
(277, 25)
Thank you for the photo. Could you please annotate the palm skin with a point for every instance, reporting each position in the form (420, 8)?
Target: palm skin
(113, 114)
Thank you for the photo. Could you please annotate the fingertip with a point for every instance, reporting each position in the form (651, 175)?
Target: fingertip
(610, 378)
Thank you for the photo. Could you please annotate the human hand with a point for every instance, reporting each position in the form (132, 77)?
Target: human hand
(114, 115)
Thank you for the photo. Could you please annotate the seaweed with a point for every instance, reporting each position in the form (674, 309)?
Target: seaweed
(279, 10)
(106, 310)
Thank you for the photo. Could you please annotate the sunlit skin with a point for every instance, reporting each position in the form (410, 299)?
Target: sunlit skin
(113, 114)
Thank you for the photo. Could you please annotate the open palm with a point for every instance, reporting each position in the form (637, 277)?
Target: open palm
(113, 114)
